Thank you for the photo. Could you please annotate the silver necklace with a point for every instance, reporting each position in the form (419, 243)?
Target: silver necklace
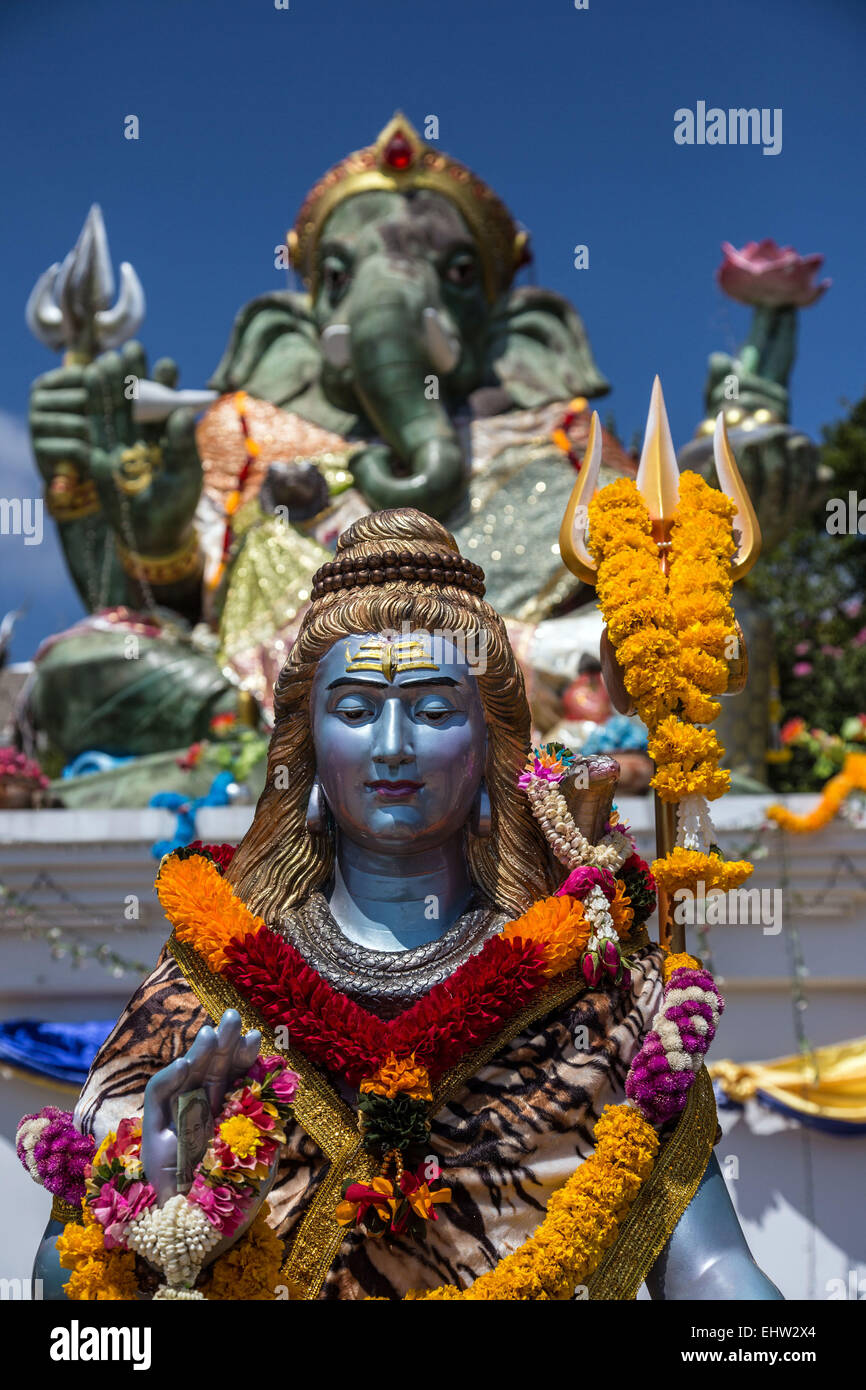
(385, 982)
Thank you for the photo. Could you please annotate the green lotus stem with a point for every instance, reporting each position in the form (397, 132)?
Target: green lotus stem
(770, 348)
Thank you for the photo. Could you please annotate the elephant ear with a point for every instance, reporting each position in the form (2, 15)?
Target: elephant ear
(538, 351)
(273, 352)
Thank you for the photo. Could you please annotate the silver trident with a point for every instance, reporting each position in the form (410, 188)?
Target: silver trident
(69, 307)
(70, 310)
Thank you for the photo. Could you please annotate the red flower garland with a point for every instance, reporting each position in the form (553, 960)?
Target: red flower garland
(462, 1013)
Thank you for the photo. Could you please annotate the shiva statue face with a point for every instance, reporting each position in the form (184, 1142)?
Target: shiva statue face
(400, 739)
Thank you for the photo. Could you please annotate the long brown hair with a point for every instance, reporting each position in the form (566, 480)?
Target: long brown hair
(280, 861)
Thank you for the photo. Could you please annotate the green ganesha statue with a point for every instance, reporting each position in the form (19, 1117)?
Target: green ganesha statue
(410, 371)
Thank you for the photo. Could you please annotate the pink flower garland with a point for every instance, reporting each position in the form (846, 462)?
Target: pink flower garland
(673, 1051)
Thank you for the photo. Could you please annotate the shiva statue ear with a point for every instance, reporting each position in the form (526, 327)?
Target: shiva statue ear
(317, 809)
(538, 350)
(481, 816)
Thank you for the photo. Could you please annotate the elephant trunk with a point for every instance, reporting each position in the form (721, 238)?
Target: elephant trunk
(398, 387)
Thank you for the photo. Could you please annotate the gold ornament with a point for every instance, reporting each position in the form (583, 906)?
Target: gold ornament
(397, 162)
(137, 467)
(161, 570)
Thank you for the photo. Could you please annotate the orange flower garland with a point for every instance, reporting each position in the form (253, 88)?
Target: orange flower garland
(558, 926)
(851, 778)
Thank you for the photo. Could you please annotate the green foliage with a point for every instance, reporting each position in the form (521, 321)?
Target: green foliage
(815, 587)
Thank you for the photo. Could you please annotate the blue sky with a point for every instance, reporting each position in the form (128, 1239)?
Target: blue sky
(568, 114)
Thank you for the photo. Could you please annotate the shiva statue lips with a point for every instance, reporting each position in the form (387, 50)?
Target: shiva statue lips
(395, 791)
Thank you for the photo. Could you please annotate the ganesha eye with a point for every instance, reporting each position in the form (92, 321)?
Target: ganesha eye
(335, 277)
(462, 270)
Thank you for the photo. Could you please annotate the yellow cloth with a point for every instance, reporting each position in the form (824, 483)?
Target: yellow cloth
(829, 1083)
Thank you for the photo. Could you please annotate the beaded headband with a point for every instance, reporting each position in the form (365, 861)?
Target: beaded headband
(434, 567)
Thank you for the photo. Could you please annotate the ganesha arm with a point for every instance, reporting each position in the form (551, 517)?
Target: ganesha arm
(707, 1257)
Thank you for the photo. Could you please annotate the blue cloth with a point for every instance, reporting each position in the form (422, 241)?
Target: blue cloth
(62, 1051)
(185, 810)
(93, 761)
(620, 731)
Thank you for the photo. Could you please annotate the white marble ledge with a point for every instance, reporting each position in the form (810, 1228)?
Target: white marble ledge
(731, 814)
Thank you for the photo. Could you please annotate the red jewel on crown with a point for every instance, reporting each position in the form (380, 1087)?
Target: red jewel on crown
(398, 152)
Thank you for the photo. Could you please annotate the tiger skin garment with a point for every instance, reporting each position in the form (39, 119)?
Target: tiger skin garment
(509, 1138)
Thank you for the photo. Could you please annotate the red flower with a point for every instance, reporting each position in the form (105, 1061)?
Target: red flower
(222, 855)
(461, 1013)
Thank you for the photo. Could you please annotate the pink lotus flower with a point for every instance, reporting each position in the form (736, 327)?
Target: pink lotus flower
(115, 1210)
(829, 650)
(763, 273)
(802, 648)
(225, 1207)
(859, 639)
(802, 668)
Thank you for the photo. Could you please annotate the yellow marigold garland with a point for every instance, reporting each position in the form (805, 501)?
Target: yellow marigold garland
(686, 868)
(633, 596)
(581, 1222)
(97, 1274)
(672, 638)
(678, 960)
(851, 778)
(249, 1270)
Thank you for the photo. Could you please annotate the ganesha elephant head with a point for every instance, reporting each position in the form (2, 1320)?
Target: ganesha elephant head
(410, 319)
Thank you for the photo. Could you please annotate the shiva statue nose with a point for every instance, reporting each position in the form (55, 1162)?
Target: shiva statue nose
(393, 743)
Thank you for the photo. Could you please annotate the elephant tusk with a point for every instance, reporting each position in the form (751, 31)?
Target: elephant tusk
(155, 402)
(443, 346)
(337, 344)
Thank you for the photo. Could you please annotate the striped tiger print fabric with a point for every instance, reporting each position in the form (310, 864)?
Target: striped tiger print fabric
(511, 1136)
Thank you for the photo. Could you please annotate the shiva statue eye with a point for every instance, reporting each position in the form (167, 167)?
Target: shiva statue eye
(433, 709)
(353, 709)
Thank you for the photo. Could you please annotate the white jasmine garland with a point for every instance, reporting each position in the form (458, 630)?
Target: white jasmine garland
(565, 838)
(175, 1238)
(695, 829)
(166, 1291)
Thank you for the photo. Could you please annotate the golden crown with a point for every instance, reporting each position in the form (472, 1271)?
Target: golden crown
(400, 160)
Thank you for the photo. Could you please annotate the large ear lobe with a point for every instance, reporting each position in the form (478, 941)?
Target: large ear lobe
(274, 353)
(538, 349)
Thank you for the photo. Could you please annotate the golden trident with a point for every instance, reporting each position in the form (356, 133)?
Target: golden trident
(658, 481)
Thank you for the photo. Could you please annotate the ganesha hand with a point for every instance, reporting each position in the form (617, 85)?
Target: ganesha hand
(148, 476)
(216, 1058)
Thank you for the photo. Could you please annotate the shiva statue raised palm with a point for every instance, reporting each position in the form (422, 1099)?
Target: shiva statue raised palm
(429, 1054)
